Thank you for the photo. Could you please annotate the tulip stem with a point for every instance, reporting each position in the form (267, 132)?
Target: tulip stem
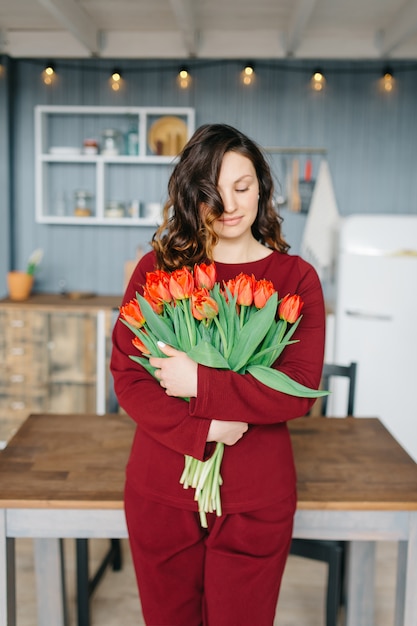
(188, 321)
(226, 349)
(242, 315)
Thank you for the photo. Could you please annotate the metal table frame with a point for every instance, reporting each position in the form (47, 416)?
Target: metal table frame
(361, 528)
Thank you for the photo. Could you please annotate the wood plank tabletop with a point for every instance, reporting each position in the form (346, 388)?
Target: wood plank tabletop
(66, 461)
(351, 463)
(78, 461)
(71, 301)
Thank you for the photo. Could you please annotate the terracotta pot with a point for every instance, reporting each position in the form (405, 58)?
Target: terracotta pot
(20, 285)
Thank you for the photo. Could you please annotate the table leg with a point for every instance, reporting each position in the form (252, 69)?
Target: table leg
(50, 582)
(401, 583)
(7, 576)
(361, 584)
(410, 599)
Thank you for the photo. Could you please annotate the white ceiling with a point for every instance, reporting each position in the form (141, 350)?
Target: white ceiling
(332, 29)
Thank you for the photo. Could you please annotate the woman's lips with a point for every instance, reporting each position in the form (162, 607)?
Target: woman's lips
(230, 221)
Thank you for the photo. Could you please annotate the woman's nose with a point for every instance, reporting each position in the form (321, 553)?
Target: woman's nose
(229, 203)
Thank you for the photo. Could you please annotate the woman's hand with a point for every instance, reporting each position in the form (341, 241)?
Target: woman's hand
(225, 432)
(177, 374)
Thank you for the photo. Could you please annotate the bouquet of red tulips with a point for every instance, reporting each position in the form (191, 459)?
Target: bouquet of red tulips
(232, 326)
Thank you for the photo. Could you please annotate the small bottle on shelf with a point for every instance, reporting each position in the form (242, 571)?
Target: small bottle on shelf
(82, 203)
(132, 139)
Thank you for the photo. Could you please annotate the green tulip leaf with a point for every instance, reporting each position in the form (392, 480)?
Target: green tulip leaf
(252, 333)
(158, 325)
(206, 354)
(281, 382)
(144, 362)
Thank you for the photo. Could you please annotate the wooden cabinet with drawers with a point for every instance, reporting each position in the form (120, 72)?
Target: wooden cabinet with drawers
(54, 354)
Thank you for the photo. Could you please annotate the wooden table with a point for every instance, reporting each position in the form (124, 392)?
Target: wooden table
(63, 475)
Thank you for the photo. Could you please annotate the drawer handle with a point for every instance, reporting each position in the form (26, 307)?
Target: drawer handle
(17, 351)
(17, 378)
(17, 323)
(17, 406)
(367, 315)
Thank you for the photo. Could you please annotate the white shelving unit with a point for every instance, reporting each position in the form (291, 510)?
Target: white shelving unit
(121, 178)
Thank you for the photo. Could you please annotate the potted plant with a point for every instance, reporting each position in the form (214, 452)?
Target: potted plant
(20, 283)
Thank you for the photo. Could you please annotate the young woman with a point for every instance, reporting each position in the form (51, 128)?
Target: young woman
(220, 208)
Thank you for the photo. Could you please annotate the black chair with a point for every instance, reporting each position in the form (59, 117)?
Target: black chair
(86, 584)
(331, 552)
(331, 370)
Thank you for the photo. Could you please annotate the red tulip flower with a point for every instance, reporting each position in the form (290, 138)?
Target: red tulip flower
(290, 308)
(140, 345)
(132, 314)
(242, 288)
(262, 291)
(204, 307)
(205, 275)
(181, 284)
(157, 287)
(228, 286)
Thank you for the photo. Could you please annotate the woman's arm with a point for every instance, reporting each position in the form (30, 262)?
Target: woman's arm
(165, 418)
(249, 400)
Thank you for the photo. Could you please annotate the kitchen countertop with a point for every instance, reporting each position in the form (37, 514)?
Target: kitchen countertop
(72, 300)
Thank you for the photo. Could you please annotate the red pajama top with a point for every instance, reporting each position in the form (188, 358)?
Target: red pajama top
(259, 469)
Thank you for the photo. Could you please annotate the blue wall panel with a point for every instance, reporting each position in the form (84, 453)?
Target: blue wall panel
(370, 141)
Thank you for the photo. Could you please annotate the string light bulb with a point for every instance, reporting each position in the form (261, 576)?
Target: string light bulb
(318, 80)
(48, 74)
(116, 80)
(387, 81)
(248, 74)
(184, 78)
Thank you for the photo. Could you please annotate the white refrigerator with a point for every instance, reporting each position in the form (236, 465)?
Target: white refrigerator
(376, 319)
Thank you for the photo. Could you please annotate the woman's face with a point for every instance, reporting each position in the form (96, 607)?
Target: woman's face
(239, 190)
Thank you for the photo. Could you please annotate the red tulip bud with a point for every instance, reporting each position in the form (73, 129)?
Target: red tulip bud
(205, 275)
(132, 314)
(263, 290)
(181, 284)
(243, 288)
(290, 308)
(204, 307)
(156, 290)
(140, 345)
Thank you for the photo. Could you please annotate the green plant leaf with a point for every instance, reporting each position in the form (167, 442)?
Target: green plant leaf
(227, 319)
(292, 328)
(144, 362)
(206, 354)
(159, 326)
(148, 340)
(281, 382)
(268, 356)
(180, 328)
(252, 334)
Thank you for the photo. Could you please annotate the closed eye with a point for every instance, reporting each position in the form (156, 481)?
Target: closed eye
(242, 190)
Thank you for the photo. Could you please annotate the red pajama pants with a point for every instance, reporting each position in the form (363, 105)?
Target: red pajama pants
(226, 575)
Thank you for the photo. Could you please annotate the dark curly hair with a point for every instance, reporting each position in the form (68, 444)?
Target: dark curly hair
(186, 235)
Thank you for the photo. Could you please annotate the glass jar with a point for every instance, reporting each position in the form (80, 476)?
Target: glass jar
(90, 146)
(112, 142)
(114, 209)
(82, 203)
(132, 138)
